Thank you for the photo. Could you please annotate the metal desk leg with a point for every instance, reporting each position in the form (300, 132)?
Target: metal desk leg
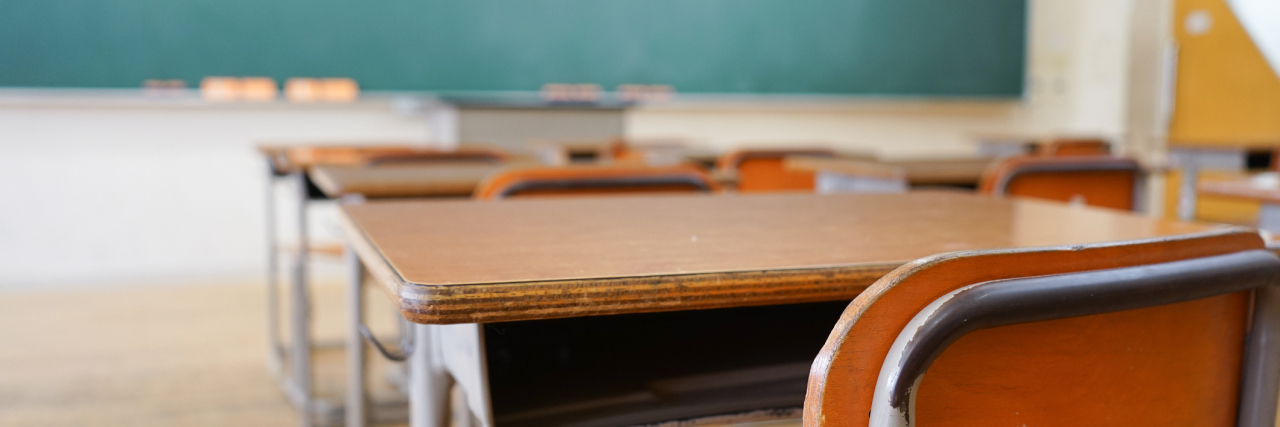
(1193, 160)
(462, 352)
(355, 407)
(301, 318)
(428, 382)
(275, 349)
(1269, 217)
(1187, 192)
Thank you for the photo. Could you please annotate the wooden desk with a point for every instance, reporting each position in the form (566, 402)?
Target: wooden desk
(944, 171)
(1012, 144)
(295, 158)
(995, 144)
(961, 171)
(1263, 188)
(638, 254)
(297, 164)
(294, 163)
(437, 180)
(1190, 159)
(682, 266)
(841, 175)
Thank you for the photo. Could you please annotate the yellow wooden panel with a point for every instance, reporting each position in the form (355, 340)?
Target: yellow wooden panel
(1227, 94)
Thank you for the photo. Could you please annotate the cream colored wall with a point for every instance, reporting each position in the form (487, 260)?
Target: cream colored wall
(131, 191)
(1078, 59)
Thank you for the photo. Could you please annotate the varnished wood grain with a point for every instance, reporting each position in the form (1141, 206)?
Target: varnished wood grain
(1169, 365)
(457, 261)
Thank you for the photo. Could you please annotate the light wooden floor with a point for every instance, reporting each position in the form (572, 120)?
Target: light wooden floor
(167, 356)
(164, 356)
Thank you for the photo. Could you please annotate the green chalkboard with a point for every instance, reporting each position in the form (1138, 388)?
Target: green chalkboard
(843, 47)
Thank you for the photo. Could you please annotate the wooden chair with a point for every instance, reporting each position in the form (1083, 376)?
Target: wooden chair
(594, 179)
(1075, 147)
(764, 170)
(1111, 182)
(1169, 332)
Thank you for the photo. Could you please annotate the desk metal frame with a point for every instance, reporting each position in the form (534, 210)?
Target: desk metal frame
(297, 383)
(1191, 160)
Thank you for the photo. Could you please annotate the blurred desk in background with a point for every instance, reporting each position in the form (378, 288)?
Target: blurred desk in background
(1263, 188)
(513, 122)
(404, 181)
(961, 171)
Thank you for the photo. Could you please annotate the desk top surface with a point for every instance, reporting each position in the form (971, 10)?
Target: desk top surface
(924, 171)
(1264, 187)
(302, 157)
(845, 166)
(426, 180)
(468, 261)
(292, 158)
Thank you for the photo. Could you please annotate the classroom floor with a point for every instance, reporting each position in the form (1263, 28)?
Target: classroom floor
(160, 356)
(164, 356)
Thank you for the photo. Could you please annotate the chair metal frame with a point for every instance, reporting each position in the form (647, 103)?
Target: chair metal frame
(1034, 299)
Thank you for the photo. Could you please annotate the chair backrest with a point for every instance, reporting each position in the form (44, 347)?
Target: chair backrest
(1111, 182)
(764, 170)
(1075, 147)
(594, 179)
(1148, 333)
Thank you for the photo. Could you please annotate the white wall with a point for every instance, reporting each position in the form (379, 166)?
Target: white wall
(95, 191)
(119, 190)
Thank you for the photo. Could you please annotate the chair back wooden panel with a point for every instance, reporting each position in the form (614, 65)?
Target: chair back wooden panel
(594, 180)
(1101, 181)
(765, 170)
(1176, 364)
